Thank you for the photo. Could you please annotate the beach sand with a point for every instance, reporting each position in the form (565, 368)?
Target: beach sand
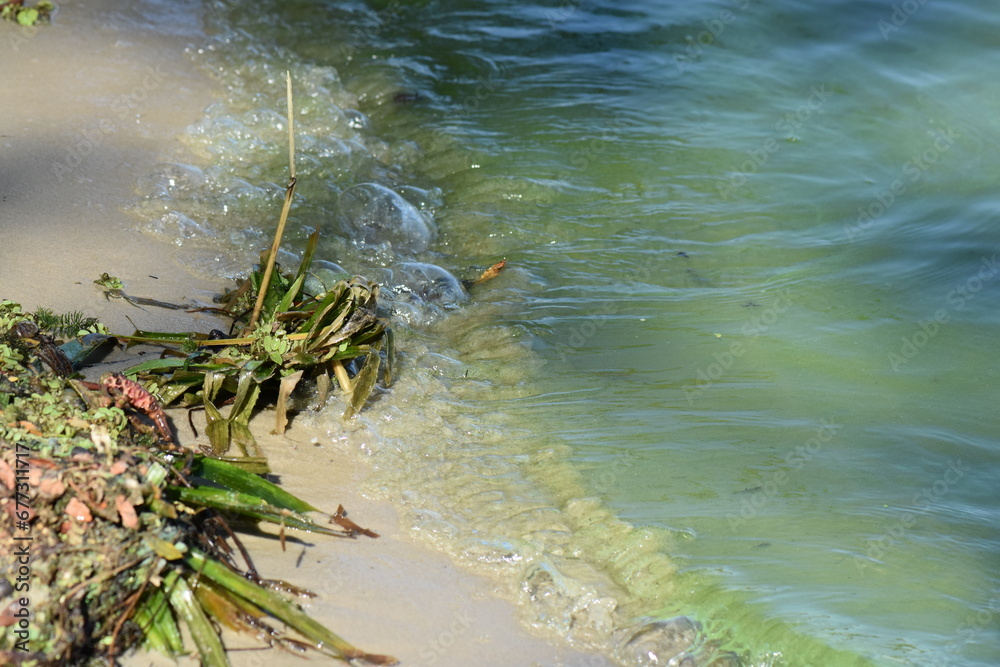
(90, 104)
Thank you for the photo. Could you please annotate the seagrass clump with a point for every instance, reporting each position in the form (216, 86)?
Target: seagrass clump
(112, 539)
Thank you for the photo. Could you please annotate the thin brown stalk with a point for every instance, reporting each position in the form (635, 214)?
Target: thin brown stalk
(289, 192)
(341, 374)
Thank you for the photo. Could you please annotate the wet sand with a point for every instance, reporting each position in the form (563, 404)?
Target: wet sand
(94, 102)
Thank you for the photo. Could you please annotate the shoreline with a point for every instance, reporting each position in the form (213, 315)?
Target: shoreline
(101, 96)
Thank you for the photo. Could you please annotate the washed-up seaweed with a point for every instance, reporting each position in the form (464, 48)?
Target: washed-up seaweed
(113, 536)
(109, 541)
(296, 335)
(284, 334)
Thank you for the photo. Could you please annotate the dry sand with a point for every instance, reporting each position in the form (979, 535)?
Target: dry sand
(90, 104)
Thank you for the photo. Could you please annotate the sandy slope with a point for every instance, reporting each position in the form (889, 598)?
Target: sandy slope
(91, 103)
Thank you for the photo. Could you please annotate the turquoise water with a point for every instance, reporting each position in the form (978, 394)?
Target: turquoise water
(745, 336)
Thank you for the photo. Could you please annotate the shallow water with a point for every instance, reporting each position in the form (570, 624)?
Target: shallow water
(738, 368)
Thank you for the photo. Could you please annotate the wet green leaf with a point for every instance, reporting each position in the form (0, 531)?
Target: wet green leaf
(285, 390)
(255, 465)
(182, 599)
(277, 606)
(27, 17)
(247, 393)
(349, 352)
(276, 288)
(326, 305)
(233, 478)
(213, 383)
(364, 383)
(390, 356)
(153, 614)
(289, 297)
(247, 505)
(307, 256)
(177, 388)
(217, 429)
(239, 433)
(156, 365)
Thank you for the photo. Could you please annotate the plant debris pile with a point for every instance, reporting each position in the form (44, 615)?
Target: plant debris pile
(109, 541)
(333, 334)
(112, 536)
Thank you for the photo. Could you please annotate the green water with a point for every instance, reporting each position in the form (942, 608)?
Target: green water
(741, 365)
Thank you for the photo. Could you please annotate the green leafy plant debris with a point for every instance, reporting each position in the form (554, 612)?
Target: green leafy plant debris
(126, 531)
(331, 336)
(110, 542)
(15, 10)
(284, 335)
